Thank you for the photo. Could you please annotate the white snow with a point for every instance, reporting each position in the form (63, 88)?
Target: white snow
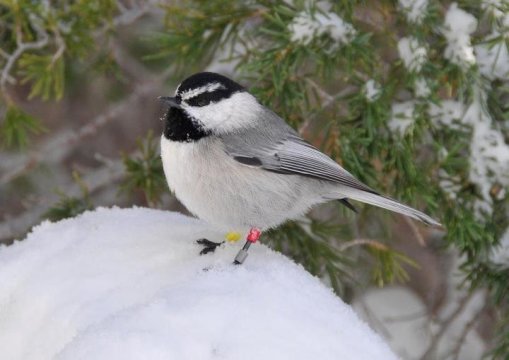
(372, 90)
(415, 10)
(402, 117)
(307, 26)
(129, 284)
(458, 25)
(412, 53)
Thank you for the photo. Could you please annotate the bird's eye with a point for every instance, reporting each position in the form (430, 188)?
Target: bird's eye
(201, 102)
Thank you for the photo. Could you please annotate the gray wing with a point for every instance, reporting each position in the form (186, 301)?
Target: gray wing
(275, 146)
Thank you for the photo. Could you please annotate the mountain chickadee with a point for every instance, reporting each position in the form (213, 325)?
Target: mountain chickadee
(237, 165)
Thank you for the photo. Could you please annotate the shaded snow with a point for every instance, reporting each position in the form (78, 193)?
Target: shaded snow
(129, 284)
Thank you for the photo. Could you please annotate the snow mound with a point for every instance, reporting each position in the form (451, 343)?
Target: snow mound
(129, 284)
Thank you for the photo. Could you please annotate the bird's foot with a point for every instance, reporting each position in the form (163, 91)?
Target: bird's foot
(208, 246)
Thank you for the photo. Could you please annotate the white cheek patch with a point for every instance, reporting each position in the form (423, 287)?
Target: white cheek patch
(234, 113)
(191, 93)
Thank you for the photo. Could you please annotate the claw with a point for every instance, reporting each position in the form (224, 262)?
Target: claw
(208, 246)
(206, 250)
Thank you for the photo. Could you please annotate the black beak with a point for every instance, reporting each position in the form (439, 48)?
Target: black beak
(170, 101)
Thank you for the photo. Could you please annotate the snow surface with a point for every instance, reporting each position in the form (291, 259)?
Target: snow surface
(307, 26)
(129, 284)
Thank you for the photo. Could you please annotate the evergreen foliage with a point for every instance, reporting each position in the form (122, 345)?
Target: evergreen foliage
(144, 172)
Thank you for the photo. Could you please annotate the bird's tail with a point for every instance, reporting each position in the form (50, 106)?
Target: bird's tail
(386, 203)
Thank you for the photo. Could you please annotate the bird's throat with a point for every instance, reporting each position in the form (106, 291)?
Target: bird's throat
(179, 126)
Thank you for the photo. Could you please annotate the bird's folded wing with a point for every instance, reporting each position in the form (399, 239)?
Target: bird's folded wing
(289, 155)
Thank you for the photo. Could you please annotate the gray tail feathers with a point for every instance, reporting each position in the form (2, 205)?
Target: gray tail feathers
(386, 203)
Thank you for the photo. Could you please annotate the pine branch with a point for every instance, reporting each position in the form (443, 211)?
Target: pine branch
(21, 48)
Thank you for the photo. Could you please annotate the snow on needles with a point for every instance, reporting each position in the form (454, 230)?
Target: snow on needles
(488, 154)
(129, 284)
(495, 7)
(415, 10)
(372, 90)
(412, 53)
(307, 26)
(493, 54)
(458, 26)
(402, 117)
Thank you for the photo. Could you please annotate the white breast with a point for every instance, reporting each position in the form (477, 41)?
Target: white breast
(230, 195)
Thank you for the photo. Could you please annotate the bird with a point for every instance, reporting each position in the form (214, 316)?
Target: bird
(237, 165)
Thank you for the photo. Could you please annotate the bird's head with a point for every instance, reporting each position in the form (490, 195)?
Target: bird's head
(213, 103)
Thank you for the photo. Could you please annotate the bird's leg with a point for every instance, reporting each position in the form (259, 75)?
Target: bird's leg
(252, 237)
(208, 246)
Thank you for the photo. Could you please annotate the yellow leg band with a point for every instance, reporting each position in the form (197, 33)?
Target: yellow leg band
(232, 236)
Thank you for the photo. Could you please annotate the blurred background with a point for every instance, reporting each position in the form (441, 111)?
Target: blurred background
(411, 96)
